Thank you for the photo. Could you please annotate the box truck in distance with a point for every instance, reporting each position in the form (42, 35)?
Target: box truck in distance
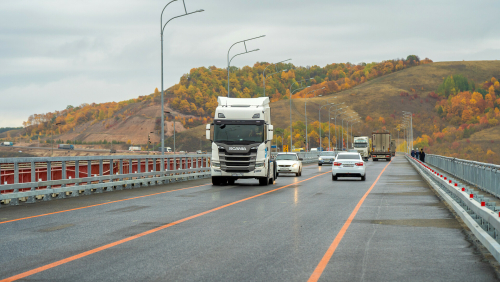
(241, 135)
(381, 142)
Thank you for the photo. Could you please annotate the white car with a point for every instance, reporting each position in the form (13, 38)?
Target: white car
(288, 163)
(348, 165)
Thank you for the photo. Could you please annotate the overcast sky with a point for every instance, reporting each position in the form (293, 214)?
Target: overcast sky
(55, 53)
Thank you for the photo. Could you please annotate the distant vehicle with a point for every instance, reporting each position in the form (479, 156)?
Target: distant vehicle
(168, 149)
(134, 148)
(7, 144)
(393, 148)
(298, 150)
(65, 147)
(326, 158)
(362, 146)
(112, 151)
(289, 163)
(381, 146)
(199, 152)
(313, 150)
(182, 152)
(348, 165)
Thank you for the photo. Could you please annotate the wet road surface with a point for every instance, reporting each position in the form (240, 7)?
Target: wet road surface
(245, 232)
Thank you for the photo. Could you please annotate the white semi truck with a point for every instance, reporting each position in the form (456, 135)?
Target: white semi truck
(362, 145)
(241, 141)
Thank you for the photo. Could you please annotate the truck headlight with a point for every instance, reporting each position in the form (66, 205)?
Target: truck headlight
(215, 164)
(259, 165)
(320, 159)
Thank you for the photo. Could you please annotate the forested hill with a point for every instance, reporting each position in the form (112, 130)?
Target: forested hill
(197, 92)
(195, 96)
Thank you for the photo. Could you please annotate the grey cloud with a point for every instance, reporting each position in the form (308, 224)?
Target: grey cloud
(115, 46)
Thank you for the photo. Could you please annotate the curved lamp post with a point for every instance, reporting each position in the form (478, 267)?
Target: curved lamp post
(162, 29)
(229, 60)
(264, 77)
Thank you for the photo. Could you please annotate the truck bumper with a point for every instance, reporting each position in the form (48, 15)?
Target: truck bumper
(257, 173)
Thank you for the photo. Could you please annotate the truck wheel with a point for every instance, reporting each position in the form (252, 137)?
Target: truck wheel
(215, 181)
(231, 181)
(319, 164)
(375, 160)
(263, 181)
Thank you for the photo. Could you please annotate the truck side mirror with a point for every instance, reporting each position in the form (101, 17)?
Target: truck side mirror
(208, 132)
(270, 132)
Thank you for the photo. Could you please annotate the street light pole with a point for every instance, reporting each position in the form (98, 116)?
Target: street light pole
(319, 118)
(174, 127)
(264, 77)
(162, 29)
(295, 82)
(52, 137)
(335, 117)
(305, 113)
(246, 51)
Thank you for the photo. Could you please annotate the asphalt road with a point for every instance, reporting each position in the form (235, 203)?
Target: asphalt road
(245, 232)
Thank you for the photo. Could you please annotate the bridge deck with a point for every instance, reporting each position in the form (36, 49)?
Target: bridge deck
(247, 232)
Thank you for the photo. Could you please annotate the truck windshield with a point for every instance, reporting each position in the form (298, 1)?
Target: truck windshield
(360, 145)
(239, 133)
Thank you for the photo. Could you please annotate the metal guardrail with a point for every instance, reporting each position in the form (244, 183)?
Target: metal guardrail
(112, 174)
(158, 170)
(480, 215)
(483, 175)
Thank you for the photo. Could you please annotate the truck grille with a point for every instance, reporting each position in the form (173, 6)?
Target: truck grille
(237, 162)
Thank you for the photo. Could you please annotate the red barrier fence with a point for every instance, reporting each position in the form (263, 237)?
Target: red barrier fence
(68, 169)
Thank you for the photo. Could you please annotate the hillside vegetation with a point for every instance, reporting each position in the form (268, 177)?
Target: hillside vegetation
(455, 106)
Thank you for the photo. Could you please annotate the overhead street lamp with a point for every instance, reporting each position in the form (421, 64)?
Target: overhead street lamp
(335, 117)
(174, 127)
(330, 119)
(246, 51)
(264, 77)
(346, 118)
(319, 118)
(410, 134)
(162, 29)
(291, 93)
(305, 113)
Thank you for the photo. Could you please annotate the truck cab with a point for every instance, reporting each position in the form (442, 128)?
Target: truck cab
(241, 135)
(362, 146)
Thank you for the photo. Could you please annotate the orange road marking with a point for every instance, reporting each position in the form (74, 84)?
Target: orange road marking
(96, 205)
(326, 258)
(93, 251)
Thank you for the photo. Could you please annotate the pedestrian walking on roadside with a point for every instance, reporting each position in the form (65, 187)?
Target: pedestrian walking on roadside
(422, 155)
(412, 153)
(417, 154)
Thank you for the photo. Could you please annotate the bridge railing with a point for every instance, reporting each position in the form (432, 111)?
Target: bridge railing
(28, 179)
(485, 176)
